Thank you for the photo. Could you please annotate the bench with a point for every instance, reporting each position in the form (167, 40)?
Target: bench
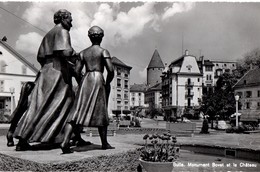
(111, 130)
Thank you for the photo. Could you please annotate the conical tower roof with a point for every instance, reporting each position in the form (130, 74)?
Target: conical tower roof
(156, 61)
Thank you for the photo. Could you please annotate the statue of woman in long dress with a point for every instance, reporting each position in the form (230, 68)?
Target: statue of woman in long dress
(90, 105)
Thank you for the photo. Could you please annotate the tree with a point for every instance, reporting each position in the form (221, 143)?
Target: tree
(251, 58)
(222, 102)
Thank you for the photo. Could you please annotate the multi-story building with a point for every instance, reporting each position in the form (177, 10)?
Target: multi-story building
(181, 85)
(137, 95)
(153, 96)
(119, 99)
(211, 71)
(248, 89)
(154, 69)
(14, 71)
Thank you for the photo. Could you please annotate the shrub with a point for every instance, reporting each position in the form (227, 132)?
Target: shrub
(162, 148)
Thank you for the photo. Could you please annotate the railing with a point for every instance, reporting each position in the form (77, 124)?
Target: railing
(189, 84)
(189, 94)
(209, 81)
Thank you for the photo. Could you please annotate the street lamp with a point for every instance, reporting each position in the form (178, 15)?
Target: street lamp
(11, 89)
(237, 98)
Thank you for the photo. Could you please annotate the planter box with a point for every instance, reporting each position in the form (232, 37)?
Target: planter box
(181, 126)
(156, 166)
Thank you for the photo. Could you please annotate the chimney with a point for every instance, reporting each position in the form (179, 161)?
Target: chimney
(186, 52)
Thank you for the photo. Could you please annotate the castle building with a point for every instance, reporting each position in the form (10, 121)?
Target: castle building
(181, 86)
(154, 69)
(119, 99)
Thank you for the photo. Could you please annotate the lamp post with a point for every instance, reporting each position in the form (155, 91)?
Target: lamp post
(11, 89)
(237, 98)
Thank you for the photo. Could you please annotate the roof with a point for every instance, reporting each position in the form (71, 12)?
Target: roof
(138, 88)
(156, 61)
(251, 78)
(116, 61)
(156, 87)
(208, 63)
(30, 65)
(177, 62)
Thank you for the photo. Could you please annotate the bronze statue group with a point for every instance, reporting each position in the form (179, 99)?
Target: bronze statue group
(48, 110)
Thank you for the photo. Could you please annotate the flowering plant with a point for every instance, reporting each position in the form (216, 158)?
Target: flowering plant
(162, 148)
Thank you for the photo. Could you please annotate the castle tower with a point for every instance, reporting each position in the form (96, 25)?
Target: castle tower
(154, 69)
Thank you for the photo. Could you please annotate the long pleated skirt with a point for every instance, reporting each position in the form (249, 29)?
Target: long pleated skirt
(89, 108)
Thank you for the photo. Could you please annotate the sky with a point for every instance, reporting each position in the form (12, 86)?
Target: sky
(133, 30)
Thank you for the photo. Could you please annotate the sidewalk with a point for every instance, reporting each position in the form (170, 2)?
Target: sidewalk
(124, 143)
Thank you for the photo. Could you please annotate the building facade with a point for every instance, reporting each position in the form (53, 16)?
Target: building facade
(153, 96)
(248, 89)
(212, 70)
(137, 95)
(14, 71)
(119, 99)
(181, 86)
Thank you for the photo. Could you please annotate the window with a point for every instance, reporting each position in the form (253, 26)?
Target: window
(247, 105)
(248, 94)
(240, 94)
(209, 68)
(118, 82)
(118, 95)
(258, 93)
(139, 94)
(2, 82)
(225, 64)
(126, 84)
(198, 79)
(218, 72)
(24, 70)
(3, 66)
(118, 71)
(227, 70)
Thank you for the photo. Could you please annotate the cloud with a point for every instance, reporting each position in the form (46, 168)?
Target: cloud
(29, 43)
(143, 73)
(178, 7)
(120, 27)
(124, 26)
(40, 14)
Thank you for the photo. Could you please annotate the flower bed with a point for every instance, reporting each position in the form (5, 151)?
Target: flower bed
(122, 162)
